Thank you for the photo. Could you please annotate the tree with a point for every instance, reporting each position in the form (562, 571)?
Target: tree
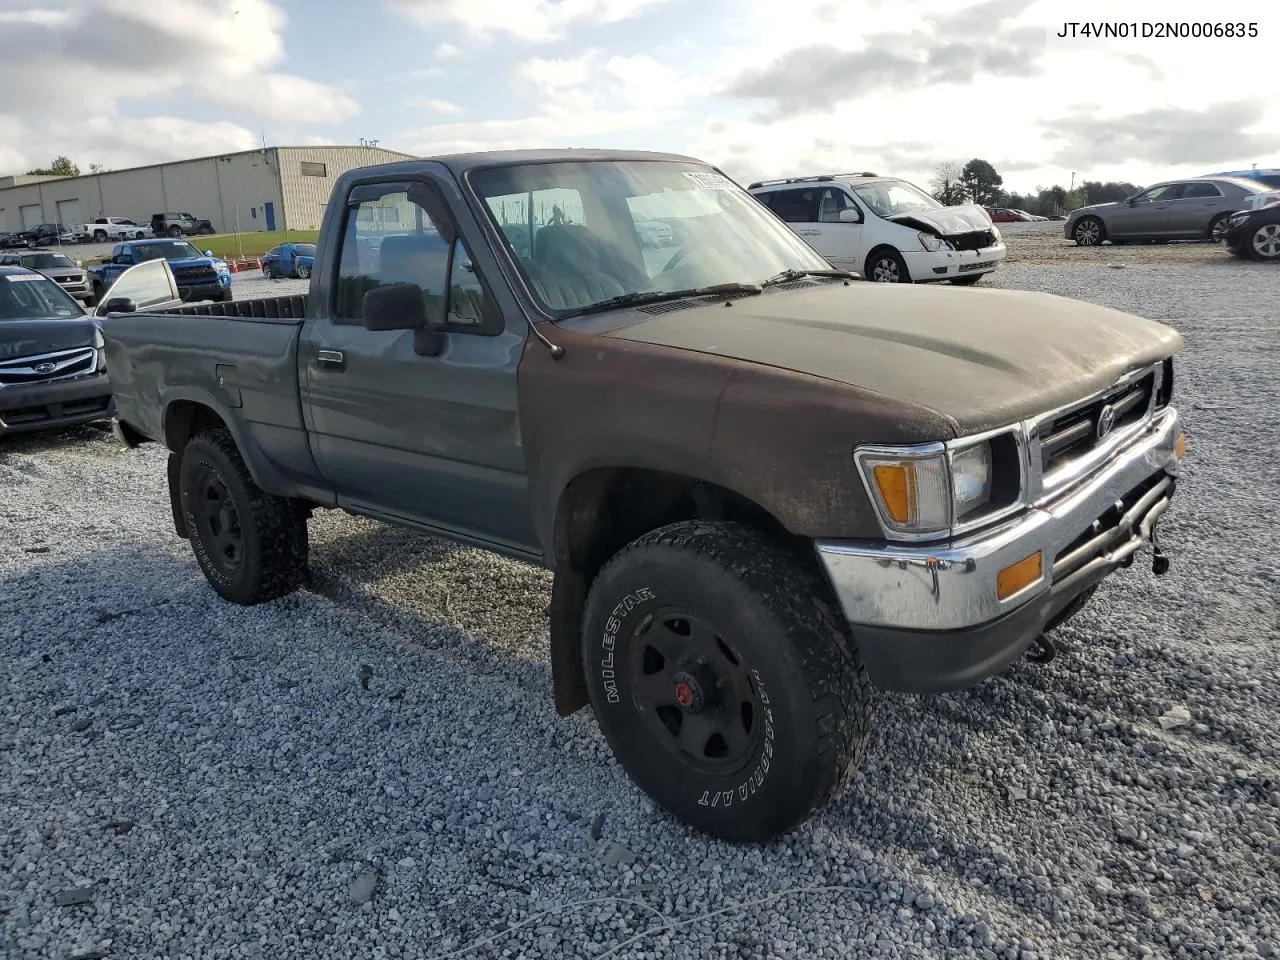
(61, 167)
(946, 183)
(981, 183)
(1109, 192)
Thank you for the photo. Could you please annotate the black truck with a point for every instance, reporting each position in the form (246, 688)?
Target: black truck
(764, 487)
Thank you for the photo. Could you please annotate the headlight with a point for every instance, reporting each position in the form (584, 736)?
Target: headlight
(933, 489)
(932, 243)
(995, 232)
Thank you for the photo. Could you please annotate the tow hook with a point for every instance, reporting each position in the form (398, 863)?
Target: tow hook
(1043, 651)
(1159, 561)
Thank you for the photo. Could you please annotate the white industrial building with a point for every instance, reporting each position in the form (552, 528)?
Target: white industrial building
(273, 188)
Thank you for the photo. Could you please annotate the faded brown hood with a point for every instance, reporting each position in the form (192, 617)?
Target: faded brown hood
(982, 358)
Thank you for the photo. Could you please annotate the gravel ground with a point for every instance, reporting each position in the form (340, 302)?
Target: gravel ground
(214, 781)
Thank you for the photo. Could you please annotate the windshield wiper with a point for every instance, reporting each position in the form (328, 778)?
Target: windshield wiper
(786, 276)
(639, 297)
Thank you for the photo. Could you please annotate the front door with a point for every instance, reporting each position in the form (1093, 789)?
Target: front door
(799, 207)
(434, 440)
(1149, 214)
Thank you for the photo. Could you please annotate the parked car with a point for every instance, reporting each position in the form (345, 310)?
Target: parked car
(1193, 209)
(887, 229)
(717, 460)
(178, 224)
(113, 228)
(42, 235)
(1255, 233)
(289, 260)
(200, 275)
(51, 368)
(58, 267)
(1006, 215)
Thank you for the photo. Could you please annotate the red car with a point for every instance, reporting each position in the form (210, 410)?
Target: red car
(1003, 215)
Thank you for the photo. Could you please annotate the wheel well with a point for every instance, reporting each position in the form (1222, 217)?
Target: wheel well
(185, 419)
(877, 249)
(599, 513)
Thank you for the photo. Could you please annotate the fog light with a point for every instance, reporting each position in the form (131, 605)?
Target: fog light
(1018, 576)
(1180, 446)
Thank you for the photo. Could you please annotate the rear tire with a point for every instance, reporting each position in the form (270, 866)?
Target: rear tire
(250, 545)
(304, 272)
(724, 679)
(1218, 228)
(99, 236)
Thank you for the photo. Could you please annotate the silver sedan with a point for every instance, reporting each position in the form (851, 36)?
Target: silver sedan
(1193, 209)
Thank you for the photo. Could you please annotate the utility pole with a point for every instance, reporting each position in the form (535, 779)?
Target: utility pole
(1073, 181)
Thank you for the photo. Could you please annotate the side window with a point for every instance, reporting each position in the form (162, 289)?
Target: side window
(1167, 192)
(796, 206)
(149, 284)
(1200, 191)
(390, 238)
(832, 201)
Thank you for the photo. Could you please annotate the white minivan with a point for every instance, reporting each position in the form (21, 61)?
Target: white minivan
(886, 229)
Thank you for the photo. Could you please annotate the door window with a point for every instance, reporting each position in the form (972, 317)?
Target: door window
(797, 205)
(390, 238)
(149, 284)
(1169, 191)
(1200, 191)
(834, 200)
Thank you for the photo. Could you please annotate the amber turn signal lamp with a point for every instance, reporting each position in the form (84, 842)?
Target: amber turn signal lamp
(895, 485)
(1180, 446)
(1018, 575)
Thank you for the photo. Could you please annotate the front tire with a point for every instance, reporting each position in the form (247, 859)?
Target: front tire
(250, 545)
(1089, 232)
(887, 266)
(723, 678)
(1264, 243)
(967, 281)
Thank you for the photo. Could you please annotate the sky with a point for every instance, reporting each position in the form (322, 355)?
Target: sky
(761, 88)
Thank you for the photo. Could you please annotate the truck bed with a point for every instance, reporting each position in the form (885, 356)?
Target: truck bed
(238, 358)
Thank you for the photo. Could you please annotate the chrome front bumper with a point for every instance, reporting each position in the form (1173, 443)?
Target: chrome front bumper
(947, 592)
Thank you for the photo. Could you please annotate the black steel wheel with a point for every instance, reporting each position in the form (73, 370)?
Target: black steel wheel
(250, 545)
(723, 677)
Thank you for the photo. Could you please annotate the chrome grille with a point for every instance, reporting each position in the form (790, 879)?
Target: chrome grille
(59, 365)
(1068, 443)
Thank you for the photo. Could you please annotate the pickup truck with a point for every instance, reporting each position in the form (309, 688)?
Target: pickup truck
(111, 228)
(199, 274)
(764, 487)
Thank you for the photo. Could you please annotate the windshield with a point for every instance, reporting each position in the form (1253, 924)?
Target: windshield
(43, 261)
(892, 198)
(33, 296)
(304, 249)
(586, 232)
(165, 250)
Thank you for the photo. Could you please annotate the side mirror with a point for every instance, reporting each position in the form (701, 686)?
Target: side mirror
(120, 305)
(848, 215)
(395, 306)
(208, 253)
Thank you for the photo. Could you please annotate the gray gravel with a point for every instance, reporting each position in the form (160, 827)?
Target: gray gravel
(180, 777)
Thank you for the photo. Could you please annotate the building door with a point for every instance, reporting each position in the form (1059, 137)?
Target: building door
(32, 216)
(269, 211)
(69, 213)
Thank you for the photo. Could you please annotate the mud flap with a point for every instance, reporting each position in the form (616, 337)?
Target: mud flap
(175, 498)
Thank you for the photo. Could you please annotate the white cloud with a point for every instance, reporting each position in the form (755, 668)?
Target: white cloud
(447, 51)
(437, 105)
(95, 57)
(528, 20)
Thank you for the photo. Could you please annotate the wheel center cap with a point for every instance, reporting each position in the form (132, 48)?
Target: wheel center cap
(691, 691)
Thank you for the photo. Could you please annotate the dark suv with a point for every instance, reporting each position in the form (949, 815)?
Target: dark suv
(177, 224)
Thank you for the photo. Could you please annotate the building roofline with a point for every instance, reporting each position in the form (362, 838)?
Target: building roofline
(213, 156)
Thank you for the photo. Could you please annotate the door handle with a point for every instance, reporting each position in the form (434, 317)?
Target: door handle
(810, 233)
(331, 359)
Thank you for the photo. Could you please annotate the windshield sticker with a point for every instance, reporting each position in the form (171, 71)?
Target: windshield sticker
(709, 181)
(15, 277)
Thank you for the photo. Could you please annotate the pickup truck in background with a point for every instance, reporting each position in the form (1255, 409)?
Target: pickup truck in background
(199, 274)
(178, 225)
(764, 488)
(112, 228)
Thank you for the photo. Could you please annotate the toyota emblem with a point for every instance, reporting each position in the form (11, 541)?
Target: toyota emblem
(1106, 420)
(45, 367)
